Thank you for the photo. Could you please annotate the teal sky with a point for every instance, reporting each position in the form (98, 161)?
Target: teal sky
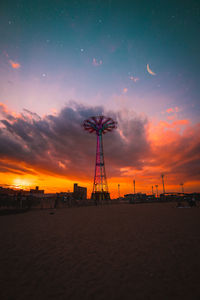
(88, 51)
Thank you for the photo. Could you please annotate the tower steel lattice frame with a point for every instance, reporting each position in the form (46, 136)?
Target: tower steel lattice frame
(99, 125)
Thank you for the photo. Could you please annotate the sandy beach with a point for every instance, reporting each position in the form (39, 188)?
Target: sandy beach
(146, 251)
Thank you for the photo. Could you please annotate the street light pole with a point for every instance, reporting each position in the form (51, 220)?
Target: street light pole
(162, 175)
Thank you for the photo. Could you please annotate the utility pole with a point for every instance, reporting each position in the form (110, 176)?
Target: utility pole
(156, 190)
(134, 186)
(182, 188)
(162, 175)
(119, 190)
(152, 190)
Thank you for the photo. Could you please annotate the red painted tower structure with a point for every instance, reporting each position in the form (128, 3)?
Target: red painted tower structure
(99, 125)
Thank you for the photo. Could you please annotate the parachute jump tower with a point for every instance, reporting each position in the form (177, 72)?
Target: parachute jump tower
(99, 125)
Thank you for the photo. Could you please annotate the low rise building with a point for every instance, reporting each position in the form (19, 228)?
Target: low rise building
(79, 193)
(36, 192)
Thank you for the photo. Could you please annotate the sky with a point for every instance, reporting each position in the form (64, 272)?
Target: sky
(64, 61)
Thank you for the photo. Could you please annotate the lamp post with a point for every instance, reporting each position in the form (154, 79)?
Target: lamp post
(162, 175)
(119, 190)
(182, 188)
(156, 190)
(152, 190)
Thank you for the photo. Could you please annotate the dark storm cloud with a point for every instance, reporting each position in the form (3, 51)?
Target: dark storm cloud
(128, 146)
(180, 157)
(188, 162)
(58, 144)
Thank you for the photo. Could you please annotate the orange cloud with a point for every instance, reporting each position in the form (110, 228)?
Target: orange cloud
(181, 122)
(96, 63)
(4, 111)
(169, 110)
(3, 108)
(173, 110)
(176, 125)
(14, 64)
(166, 132)
(54, 111)
(125, 90)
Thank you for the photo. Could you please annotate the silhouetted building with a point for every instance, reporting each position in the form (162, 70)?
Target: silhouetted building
(80, 193)
(7, 191)
(36, 192)
(138, 197)
(12, 192)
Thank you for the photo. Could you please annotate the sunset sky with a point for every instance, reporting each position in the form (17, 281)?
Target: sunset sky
(64, 61)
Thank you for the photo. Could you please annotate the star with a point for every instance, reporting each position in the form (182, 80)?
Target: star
(133, 78)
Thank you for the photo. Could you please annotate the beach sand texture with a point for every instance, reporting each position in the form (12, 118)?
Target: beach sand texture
(145, 251)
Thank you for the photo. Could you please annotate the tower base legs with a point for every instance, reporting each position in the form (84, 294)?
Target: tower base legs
(99, 196)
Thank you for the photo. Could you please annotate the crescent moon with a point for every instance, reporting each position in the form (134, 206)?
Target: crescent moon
(150, 71)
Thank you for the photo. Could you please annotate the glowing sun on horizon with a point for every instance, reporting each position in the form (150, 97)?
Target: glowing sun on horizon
(19, 183)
